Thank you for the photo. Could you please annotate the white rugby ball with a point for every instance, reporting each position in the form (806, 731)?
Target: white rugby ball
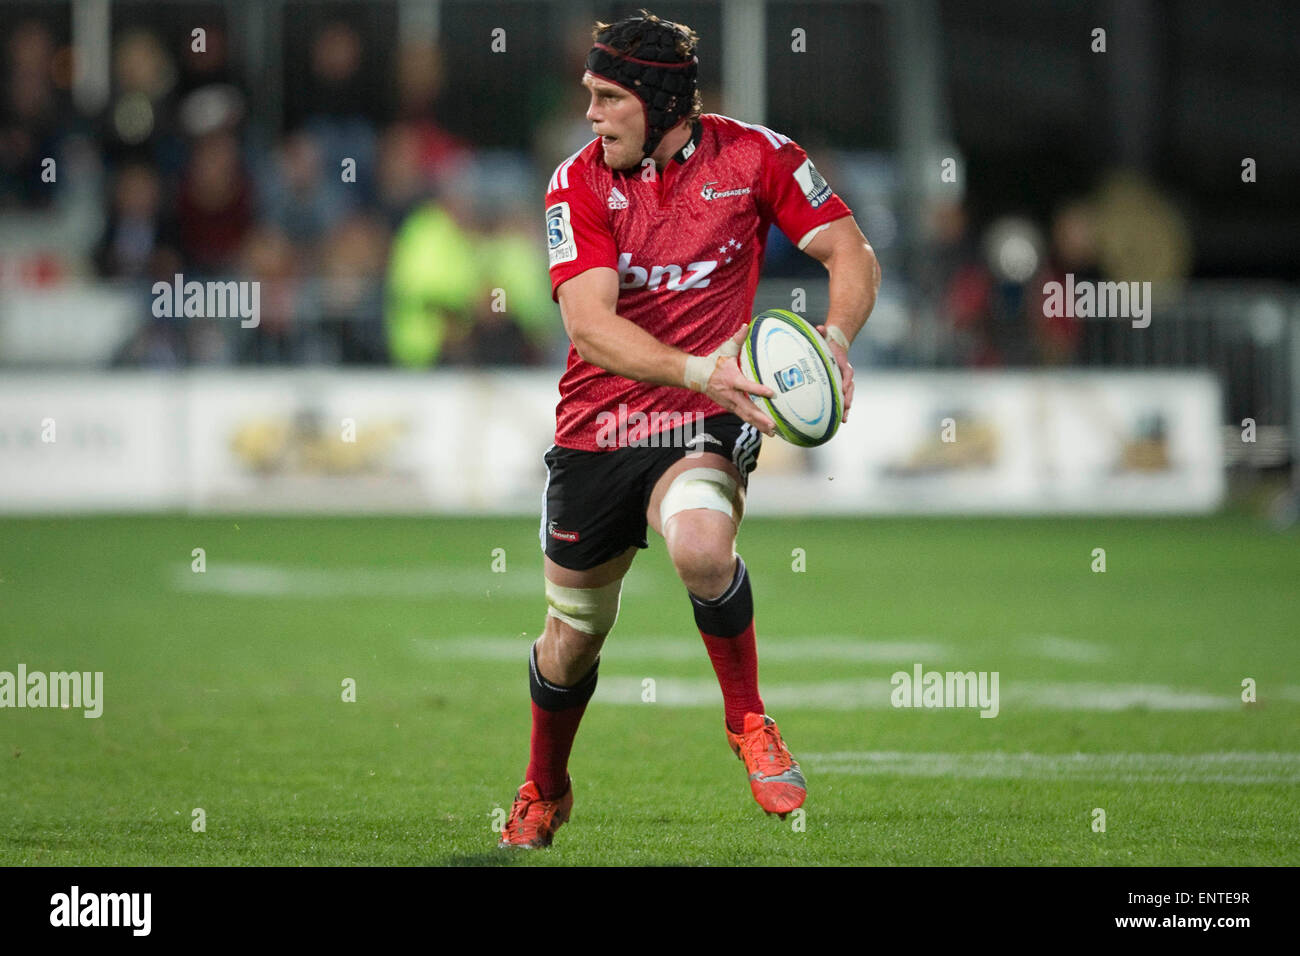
(785, 353)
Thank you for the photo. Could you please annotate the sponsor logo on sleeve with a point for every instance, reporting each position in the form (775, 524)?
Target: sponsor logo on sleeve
(559, 235)
(815, 189)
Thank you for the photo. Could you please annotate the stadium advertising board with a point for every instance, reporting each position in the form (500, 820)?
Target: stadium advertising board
(472, 443)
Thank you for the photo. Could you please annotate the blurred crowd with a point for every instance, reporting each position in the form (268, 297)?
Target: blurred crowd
(379, 237)
(375, 238)
(985, 287)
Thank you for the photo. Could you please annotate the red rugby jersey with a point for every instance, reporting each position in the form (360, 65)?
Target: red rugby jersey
(687, 245)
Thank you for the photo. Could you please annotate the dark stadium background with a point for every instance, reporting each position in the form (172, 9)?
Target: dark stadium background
(1011, 89)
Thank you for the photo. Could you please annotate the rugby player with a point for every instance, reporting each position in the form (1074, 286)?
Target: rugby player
(656, 232)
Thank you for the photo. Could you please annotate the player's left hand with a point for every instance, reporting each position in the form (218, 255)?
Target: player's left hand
(846, 371)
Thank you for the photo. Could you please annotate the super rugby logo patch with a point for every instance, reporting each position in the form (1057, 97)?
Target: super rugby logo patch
(559, 235)
(791, 377)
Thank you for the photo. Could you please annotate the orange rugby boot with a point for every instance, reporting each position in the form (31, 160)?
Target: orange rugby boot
(533, 821)
(774, 775)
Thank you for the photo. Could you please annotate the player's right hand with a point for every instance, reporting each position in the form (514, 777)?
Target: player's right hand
(730, 388)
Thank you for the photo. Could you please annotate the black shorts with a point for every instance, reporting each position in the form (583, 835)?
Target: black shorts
(594, 505)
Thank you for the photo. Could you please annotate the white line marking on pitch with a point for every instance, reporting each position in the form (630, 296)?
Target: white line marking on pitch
(627, 648)
(1229, 767)
(874, 694)
(281, 581)
(1065, 649)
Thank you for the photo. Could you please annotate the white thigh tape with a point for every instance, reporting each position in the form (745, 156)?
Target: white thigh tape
(589, 610)
(701, 488)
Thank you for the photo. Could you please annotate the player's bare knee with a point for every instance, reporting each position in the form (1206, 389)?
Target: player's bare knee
(564, 654)
(704, 562)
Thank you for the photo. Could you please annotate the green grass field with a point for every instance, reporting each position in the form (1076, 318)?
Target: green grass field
(223, 691)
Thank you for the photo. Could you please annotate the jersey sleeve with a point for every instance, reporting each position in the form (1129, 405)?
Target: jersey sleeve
(577, 231)
(794, 195)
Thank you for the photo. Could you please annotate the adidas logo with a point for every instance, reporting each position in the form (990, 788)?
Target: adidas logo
(616, 199)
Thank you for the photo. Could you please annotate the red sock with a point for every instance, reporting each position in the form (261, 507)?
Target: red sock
(735, 661)
(548, 755)
(727, 625)
(557, 711)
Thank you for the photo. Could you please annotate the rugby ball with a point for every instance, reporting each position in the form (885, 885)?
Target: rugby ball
(785, 353)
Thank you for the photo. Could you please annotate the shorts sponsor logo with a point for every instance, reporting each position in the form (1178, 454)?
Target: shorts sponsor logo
(705, 438)
(709, 193)
(815, 189)
(559, 534)
(560, 244)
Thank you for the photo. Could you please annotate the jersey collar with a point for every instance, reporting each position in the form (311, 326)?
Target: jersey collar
(687, 151)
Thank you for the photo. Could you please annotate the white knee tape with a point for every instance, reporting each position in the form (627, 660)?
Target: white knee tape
(701, 488)
(589, 610)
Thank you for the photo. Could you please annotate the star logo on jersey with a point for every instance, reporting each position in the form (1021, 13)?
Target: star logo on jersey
(616, 199)
(727, 247)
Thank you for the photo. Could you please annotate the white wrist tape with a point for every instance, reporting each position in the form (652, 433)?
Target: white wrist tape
(834, 333)
(699, 368)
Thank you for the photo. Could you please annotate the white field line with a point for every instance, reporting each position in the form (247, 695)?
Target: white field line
(1229, 767)
(281, 581)
(874, 694)
(1065, 649)
(864, 693)
(686, 647)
